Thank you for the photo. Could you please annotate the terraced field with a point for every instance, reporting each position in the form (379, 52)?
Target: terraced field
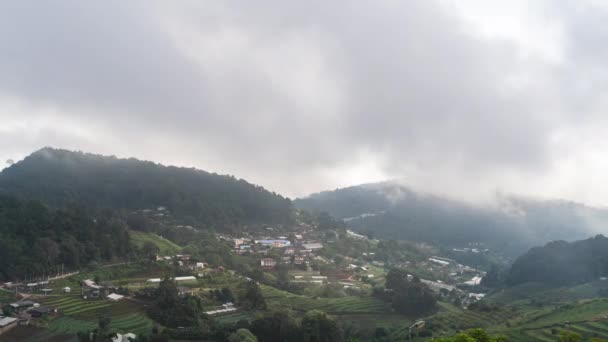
(233, 317)
(446, 322)
(6, 296)
(79, 315)
(74, 305)
(337, 306)
(588, 330)
(468, 319)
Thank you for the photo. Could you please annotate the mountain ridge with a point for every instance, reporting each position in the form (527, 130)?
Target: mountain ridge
(514, 223)
(61, 178)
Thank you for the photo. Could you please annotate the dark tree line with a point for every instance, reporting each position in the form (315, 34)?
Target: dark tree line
(315, 326)
(35, 239)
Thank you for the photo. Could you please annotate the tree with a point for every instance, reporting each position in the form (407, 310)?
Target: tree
(492, 278)
(473, 335)
(150, 248)
(35, 238)
(252, 296)
(317, 326)
(47, 250)
(569, 336)
(325, 221)
(101, 334)
(227, 294)
(409, 297)
(242, 335)
(276, 326)
(172, 311)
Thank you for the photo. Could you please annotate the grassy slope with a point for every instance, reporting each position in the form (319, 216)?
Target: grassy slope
(165, 246)
(543, 312)
(7, 296)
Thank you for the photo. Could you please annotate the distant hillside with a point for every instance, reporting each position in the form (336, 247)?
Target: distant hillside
(62, 178)
(511, 224)
(562, 263)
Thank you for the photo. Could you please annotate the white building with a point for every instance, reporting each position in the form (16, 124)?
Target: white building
(115, 297)
(313, 246)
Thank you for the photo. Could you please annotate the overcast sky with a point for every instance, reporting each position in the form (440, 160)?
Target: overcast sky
(463, 98)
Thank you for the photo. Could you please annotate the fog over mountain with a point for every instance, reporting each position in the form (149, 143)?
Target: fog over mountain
(458, 98)
(509, 223)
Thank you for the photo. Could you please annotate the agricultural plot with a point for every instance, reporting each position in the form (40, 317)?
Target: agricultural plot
(234, 317)
(587, 330)
(73, 305)
(337, 306)
(395, 333)
(135, 323)
(580, 312)
(80, 315)
(395, 327)
(588, 318)
(468, 319)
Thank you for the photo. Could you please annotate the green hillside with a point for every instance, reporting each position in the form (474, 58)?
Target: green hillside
(165, 246)
(64, 178)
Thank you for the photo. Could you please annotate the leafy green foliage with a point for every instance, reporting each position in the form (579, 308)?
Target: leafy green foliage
(251, 296)
(101, 334)
(280, 325)
(410, 297)
(276, 326)
(173, 311)
(317, 326)
(569, 336)
(242, 335)
(473, 335)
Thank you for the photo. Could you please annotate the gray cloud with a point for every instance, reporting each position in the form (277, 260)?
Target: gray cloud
(305, 96)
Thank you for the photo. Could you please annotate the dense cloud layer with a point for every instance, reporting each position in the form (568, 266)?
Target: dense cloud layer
(304, 96)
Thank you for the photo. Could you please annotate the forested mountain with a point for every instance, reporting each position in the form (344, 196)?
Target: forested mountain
(35, 240)
(63, 178)
(511, 224)
(562, 263)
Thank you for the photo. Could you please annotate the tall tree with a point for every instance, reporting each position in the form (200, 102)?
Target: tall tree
(317, 326)
(47, 250)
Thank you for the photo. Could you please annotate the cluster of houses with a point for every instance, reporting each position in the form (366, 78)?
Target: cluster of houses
(92, 290)
(182, 260)
(22, 312)
(41, 286)
(300, 254)
(454, 273)
(296, 251)
(453, 270)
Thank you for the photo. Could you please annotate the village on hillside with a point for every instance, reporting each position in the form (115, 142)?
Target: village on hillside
(300, 258)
